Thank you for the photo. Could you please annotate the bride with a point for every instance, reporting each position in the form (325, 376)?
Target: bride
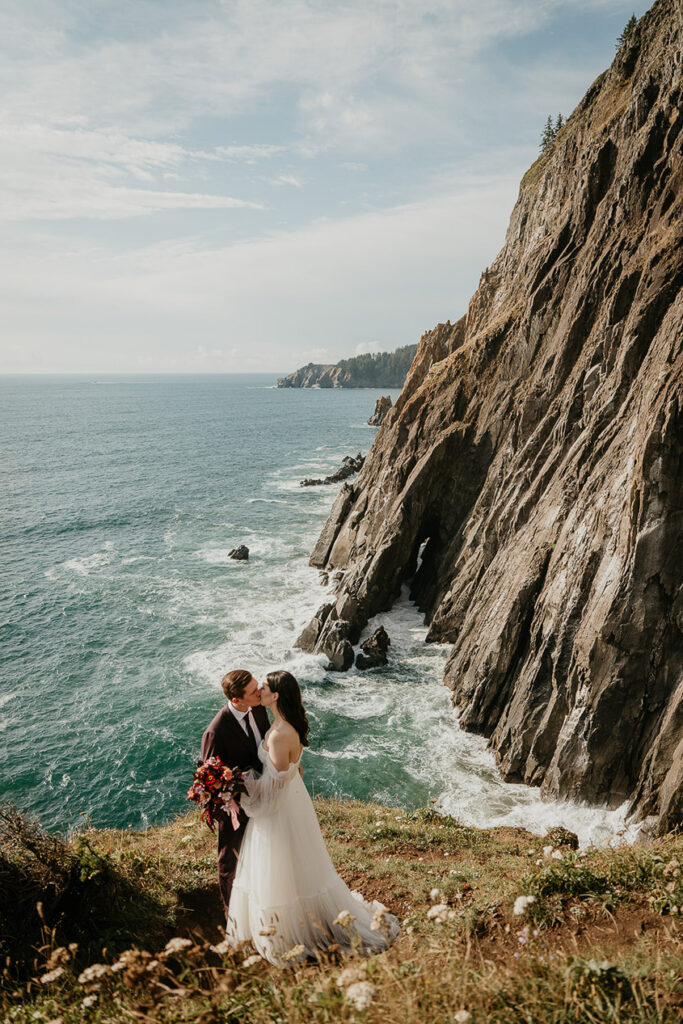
(287, 897)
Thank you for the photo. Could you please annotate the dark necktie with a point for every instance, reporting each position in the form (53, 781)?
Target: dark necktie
(250, 731)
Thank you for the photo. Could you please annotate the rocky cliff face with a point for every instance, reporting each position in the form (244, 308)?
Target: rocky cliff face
(529, 479)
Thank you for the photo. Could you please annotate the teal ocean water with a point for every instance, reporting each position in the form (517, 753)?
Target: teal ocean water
(120, 609)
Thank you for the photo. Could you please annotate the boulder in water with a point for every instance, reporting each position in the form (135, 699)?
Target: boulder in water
(338, 647)
(350, 465)
(240, 554)
(374, 650)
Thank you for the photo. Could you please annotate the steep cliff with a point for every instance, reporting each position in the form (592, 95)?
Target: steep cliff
(529, 479)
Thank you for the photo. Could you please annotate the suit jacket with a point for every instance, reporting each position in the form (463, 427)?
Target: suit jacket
(225, 738)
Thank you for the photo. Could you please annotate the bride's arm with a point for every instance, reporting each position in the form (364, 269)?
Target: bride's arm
(264, 791)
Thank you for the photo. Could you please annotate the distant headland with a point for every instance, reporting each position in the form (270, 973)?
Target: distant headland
(372, 370)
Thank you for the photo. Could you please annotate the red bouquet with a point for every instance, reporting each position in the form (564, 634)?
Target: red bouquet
(215, 787)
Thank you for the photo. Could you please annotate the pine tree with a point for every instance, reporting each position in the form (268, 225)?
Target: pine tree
(548, 134)
(559, 122)
(630, 28)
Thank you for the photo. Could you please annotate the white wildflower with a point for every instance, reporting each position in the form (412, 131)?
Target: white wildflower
(251, 960)
(351, 975)
(88, 1002)
(435, 895)
(177, 945)
(47, 979)
(547, 850)
(93, 974)
(439, 912)
(379, 921)
(294, 953)
(462, 1016)
(361, 994)
(521, 904)
(222, 948)
(344, 919)
(557, 855)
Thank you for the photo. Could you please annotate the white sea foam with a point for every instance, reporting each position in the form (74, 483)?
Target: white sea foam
(398, 720)
(268, 501)
(90, 563)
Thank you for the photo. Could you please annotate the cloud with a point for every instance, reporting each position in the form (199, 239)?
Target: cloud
(288, 179)
(245, 154)
(327, 286)
(353, 72)
(367, 347)
(60, 173)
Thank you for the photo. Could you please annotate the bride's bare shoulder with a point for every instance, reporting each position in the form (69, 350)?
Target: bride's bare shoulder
(283, 741)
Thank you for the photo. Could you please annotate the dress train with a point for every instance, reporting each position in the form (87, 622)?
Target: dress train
(287, 897)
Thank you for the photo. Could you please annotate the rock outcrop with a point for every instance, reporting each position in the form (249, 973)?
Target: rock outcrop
(370, 370)
(373, 651)
(529, 481)
(351, 464)
(382, 407)
(314, 375)
(240, 553)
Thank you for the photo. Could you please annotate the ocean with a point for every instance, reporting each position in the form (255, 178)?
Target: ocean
(120, 609)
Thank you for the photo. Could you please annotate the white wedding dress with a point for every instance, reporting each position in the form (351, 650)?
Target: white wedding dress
(287, 896)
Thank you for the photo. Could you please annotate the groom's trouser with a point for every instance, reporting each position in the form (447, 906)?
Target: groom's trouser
(229, 842)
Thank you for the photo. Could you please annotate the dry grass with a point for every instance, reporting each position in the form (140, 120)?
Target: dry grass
(601, 942)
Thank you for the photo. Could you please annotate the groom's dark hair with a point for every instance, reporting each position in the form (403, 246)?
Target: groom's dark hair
(235, 683)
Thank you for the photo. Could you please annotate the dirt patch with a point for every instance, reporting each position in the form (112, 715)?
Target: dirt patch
(620, 930)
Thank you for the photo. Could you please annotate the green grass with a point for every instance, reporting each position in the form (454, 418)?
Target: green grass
(601, 942)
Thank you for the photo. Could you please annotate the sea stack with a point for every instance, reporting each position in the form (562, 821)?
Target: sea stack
(534, 460)
(382, 407)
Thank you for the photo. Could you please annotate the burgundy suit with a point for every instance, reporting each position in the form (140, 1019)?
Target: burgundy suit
(225, 738)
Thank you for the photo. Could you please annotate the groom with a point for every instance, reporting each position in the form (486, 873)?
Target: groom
(234, 736)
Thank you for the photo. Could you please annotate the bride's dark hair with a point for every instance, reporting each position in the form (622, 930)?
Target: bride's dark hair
(289, 702)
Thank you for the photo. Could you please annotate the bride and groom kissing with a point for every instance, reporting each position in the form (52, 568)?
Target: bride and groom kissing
(279, 887)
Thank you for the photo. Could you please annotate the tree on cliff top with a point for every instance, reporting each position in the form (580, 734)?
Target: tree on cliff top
(549, 133)
(629, 29)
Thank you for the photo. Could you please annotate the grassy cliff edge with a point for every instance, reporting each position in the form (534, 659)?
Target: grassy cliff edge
(118, 925)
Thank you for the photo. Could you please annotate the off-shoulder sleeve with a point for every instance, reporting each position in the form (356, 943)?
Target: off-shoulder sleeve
(264, 792)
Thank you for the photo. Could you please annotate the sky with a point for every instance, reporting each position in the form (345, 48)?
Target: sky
(220, 186)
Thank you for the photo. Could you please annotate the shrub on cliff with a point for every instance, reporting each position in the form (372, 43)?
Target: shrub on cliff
(51, 890)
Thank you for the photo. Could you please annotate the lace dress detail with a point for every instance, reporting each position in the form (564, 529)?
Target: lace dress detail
(287, 893)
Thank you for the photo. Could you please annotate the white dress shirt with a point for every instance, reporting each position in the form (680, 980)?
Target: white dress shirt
(240, 716)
